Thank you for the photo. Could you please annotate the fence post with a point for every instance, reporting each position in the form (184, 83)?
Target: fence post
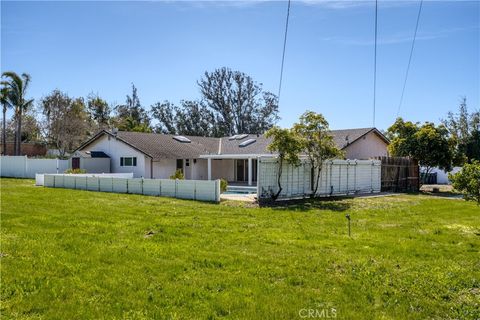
(25, 168)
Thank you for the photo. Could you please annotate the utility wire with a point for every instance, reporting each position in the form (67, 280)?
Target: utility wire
(283, 54)
(375, 64)
(410, 58)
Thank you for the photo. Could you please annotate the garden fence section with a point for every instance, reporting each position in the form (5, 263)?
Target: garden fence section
(183, 189)
(23, 167)
(338, 177)
(400, 174)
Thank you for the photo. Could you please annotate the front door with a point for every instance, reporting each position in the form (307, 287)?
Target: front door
(75, 163)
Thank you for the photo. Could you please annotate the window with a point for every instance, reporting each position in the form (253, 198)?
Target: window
(187, 162)
(128, 161)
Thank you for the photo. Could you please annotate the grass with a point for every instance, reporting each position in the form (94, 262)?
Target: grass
(68, 254)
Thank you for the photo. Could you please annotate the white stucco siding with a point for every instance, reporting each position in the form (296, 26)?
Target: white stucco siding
(223, 169)
(200, 169)
(369, 146)
(95, 165)
(164, 168)
(117, 149)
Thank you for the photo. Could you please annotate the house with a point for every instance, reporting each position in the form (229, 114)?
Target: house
(152, 155)
(90, 161)
(363, 143)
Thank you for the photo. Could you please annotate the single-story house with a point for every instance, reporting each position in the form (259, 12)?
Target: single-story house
(90, 161)
(152, 155)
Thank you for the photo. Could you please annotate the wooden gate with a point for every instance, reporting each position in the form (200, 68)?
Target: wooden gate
(399, 174)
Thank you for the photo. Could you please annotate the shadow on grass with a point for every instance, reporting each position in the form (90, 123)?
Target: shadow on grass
(333, 204)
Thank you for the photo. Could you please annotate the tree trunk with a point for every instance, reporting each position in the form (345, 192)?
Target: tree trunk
(319, 171)
(280, 165)
(19, 134)
(4, 130)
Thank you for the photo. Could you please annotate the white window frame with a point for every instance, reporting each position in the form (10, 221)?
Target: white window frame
(122, 161)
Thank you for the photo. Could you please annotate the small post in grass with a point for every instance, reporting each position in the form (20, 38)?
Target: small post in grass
(348, 218)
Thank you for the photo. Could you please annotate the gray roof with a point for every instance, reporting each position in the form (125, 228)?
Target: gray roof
(345, 137)
(164, 146)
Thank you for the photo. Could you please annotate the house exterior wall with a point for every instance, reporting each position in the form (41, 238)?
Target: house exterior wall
(223, 169)
(116, 149)
(94, 165)
(164, 168)
(369, 146)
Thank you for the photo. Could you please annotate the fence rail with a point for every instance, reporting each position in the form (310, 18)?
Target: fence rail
(183, 189)
(338, 177)
(23, 167)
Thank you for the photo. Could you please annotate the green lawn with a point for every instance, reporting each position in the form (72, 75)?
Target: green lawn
(68, 254)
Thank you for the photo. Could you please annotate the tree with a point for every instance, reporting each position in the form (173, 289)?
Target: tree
(464, 127)
(17, 88)
(429, 144)
(288, 145)
(317, 142)
(66, 121)
(467, 181)
(191, 118)
(5, 105)
(131, 116)
(238, 103)
(30, 128)
(99, 111)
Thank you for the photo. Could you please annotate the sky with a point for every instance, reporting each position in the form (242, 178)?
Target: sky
(164, 48)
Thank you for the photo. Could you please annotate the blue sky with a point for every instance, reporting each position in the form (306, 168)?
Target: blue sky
(164, 48)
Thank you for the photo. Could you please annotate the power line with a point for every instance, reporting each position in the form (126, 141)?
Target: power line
(283, 54)
(410, 58)
(375, 64)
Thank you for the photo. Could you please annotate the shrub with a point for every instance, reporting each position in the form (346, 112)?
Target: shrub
(467, 181)
(177, 175)
(223, 185)
(75, 171)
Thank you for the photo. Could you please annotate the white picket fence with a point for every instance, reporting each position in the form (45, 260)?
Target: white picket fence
(23, 167)
(338, 177)
(184, 189)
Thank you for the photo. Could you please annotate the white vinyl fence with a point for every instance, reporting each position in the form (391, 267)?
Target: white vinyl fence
(184, 189)
(338, 177)
(23, 167)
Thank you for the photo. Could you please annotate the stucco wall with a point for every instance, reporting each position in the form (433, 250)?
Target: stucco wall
(94, 165)
(223, 169)
(369, 146)
(164, 168)
(116, 149)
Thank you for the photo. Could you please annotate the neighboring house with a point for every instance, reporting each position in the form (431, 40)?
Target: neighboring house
(152, 155)
(364, 143)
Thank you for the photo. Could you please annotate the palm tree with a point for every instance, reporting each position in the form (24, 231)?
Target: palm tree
(17, 86)
(4, 102)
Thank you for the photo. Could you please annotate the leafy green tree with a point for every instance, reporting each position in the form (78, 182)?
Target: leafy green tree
(191, 118)
(467, 181)
(17, 91)
(464, 127)
(429, 144)
(238, 103)
(99, 111)
(317, 142)
(288, 145)
(131, 116)
(66, 123)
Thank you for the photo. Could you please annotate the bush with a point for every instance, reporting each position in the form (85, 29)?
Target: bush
(177, 175)
(223, 185)
(467, 181)
(75, 171)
